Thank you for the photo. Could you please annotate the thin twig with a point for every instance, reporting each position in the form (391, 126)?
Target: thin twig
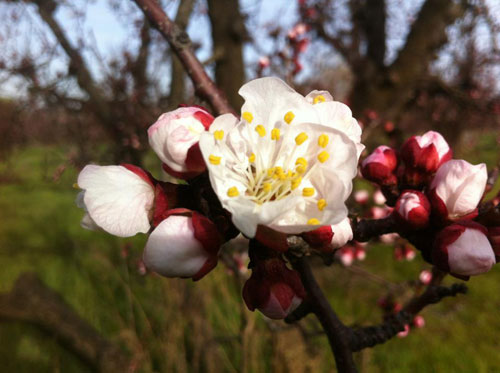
(181, 45)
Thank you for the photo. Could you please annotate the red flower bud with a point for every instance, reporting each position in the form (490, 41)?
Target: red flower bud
(273, 289)
(379, 166)
(427, 152)
(413, 209)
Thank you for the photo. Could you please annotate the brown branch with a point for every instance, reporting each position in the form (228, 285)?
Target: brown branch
(373, 335)
(181, 44)
(365, 229)
(33, 302)
(338, 334)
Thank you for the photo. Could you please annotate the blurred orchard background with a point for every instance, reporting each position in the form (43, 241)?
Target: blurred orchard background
(81, 81)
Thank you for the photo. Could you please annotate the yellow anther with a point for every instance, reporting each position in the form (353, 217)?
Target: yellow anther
(307, 192)
(275, 134)
(260, 130)
(313, 221)
(289, 117)
(75, 185)
(270, 172)
(323, 140)
(323, 156)
(278, 170)
(214, 159)
(219, 134)
(301, 161)
(247, 116)
(300, 169)
(301, 137)
(289, 174)
(321, 204)
(296, 182)
(251, 159)
(233, 192)
(318, 99)
(266, 187)
(282, 176)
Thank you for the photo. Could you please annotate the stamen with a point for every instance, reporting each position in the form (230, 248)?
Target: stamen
(323, 156)
(219, 134)
(275, 134)
(318, 99)
(247, 116)
(260, 130)
(296, 183)
(213, 159)
(301, 161)
(266, 187)
(308, 192)
(323, 140)
(321, 204)
(233, 192)
(301, 137)
(289, 117)
(313, 221)
(251, 159)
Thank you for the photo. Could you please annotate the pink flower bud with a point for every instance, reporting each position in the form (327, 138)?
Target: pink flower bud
(330, 237)
(273, 289)
(185, 244)
(360, 253)
(380, 165)
(457, 189)
(413, 209)
(345, 256)
(425, 277)
(264, 62)
(405, 332)
(426, 152)
(362, 196)
(409, 253)
(418, 322)
(175, 136)
(463, 249)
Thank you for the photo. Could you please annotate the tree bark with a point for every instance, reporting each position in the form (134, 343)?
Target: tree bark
(228, 35)
(178, 75)
(388, 91)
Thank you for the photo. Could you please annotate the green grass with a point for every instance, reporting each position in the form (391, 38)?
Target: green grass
(178, 326)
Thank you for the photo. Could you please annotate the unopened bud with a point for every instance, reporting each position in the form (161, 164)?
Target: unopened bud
(380, 165)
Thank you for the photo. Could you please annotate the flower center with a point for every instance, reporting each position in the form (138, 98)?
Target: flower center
(272, 183)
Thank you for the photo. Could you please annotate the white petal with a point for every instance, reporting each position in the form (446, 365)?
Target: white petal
(342, 233)
(172, 250)
(471, 254)
(117, 200)
(269, 99)
(460, 185)
(338, 115)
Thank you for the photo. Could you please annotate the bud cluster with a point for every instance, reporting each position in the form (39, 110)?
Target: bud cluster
(435, 200)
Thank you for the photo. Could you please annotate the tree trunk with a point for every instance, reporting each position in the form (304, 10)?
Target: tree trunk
(228, 35)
